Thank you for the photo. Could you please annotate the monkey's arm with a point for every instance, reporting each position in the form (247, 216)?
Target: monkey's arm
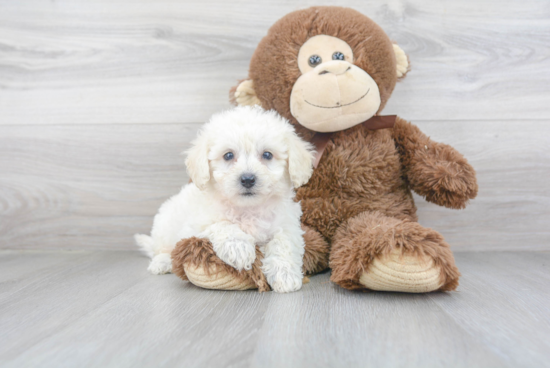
(434, 170)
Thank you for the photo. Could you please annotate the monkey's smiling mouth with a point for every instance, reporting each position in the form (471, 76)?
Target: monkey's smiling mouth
(338, 104)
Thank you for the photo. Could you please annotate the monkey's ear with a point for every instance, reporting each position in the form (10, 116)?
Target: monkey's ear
(403, 66)
(244, 94)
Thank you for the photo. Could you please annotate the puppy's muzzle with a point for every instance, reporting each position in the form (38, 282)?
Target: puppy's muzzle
(248, 180)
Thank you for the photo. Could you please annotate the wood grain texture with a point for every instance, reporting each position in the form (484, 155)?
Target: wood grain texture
(331, 327)
(105, 62)
(102, 309)
(501, 300)
(93, 186)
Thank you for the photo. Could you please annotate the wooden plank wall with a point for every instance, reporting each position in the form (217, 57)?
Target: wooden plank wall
(98, 98)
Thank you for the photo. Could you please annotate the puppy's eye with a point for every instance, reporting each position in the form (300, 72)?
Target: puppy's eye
(228, 156)
(267, 155)
(314, 60)
(338, 56)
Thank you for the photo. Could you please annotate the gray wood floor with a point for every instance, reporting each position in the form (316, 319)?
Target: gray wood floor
(102, 309)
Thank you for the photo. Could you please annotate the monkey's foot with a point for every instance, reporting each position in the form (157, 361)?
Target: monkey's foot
(376, 252)
(402, 272)
(194, 259)
(216, 279)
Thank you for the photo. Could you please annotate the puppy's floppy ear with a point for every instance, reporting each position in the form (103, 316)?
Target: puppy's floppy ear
(300, 159)
(197, 164)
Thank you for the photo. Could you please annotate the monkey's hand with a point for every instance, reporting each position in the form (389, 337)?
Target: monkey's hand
(434, 170)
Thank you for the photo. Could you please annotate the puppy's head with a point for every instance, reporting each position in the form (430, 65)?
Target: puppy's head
(248, 155)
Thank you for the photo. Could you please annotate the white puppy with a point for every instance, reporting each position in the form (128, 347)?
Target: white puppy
(244, 166)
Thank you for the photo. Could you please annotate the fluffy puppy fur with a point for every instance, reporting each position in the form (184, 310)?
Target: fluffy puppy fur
(244, 166)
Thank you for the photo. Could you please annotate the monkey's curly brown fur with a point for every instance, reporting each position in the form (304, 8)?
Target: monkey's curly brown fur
(316, 252)
(359, 197)
(372, 234)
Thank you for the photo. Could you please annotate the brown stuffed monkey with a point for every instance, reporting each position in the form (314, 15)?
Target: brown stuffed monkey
(330, 71)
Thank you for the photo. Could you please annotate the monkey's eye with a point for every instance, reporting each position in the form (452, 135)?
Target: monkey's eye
(337, 56)
(267, 155)
(314, 60)
(228, 156)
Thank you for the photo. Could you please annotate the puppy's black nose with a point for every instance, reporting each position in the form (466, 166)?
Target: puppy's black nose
(248, 180)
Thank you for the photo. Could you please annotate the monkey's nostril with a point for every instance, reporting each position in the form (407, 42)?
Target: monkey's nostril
(248, 180)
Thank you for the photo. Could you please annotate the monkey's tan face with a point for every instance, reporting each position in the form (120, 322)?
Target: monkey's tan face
(332, 94)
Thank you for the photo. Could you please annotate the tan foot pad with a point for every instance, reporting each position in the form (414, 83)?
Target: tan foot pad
(217, 281)
(402, 272)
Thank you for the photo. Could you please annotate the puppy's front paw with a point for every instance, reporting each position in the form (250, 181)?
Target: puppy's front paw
(239, 252)
(160, 264)
(285, 282)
